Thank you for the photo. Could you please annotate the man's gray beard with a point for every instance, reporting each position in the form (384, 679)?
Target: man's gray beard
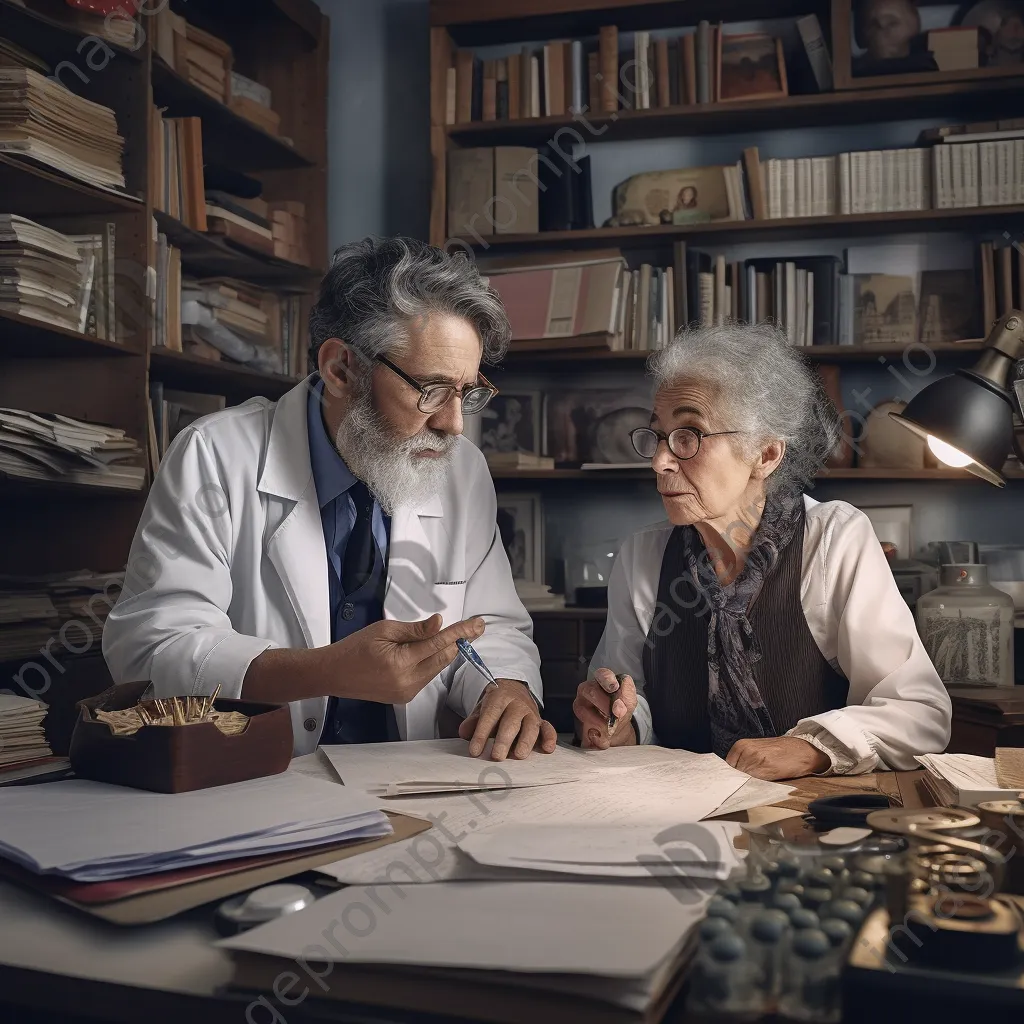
(388, 464)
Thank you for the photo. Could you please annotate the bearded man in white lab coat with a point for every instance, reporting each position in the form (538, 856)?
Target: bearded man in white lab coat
(328, 550)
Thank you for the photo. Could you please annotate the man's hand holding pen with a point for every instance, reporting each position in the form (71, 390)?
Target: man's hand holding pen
(604, 707)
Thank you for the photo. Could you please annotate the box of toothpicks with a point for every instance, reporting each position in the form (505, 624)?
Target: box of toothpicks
(177, 744)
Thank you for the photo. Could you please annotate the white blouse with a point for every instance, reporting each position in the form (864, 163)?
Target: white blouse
(898, 706)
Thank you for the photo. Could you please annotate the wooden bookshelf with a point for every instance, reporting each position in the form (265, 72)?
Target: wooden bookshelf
(601, 358)
(227, 138)
(646, 473)
(782, 229)
(237, 383)
(944, 100)
(46, 369)
(206, 255)
(23, 337)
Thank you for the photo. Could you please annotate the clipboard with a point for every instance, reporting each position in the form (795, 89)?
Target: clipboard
(147, 899)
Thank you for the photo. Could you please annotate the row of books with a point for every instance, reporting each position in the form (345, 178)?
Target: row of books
(59, 448)
(894, 294)
(176, 169)
(171, 412)
(601, 75)
(61, 274)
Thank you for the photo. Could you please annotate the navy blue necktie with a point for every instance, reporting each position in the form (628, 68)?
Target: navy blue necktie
(360, 551)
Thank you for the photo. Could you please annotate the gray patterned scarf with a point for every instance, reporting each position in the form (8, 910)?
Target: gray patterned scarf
(735, 706)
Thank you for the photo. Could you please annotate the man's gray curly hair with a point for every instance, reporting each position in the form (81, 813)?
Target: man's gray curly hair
(766, 390)
(375, 289)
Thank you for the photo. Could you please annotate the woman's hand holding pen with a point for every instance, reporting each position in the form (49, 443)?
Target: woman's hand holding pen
(605, 699)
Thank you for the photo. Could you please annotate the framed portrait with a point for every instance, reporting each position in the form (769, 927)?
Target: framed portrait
(594, 426)
(750, 66)
(893, 526)
(521, 528)
(511, 423)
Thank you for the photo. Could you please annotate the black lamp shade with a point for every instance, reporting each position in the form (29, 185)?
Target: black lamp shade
(971, 414)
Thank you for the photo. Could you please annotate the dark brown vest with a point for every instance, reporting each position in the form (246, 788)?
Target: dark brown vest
(793, 676)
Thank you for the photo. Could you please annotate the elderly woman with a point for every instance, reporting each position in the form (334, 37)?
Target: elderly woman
(756, 623)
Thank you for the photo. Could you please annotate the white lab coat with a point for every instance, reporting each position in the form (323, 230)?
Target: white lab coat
(897, 705)
(229, 560)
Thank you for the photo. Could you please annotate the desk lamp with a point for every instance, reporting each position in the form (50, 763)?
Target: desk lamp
(967, 418)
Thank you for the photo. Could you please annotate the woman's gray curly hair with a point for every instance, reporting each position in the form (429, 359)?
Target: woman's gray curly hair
(376, 288)
(767, 391)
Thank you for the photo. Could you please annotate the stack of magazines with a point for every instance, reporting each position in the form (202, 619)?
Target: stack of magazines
(59, 448)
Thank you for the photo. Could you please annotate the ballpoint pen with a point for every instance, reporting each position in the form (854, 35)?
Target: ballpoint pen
(467, 650)
(612, 697)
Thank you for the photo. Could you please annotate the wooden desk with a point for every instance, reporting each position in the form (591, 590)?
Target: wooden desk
(73, 969)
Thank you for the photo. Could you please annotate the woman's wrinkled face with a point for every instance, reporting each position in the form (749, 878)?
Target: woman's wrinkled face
(717, 481)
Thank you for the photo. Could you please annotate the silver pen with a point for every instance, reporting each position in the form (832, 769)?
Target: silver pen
(467, 650)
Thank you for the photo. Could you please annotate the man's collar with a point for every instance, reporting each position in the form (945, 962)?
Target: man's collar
(331, 475)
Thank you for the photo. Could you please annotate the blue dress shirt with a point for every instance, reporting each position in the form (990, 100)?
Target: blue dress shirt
(346, 719)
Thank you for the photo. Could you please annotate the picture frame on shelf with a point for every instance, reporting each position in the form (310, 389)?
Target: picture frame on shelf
(894, 528)
(592, 426)
(521, 528)
(751, 66)
(511, 423)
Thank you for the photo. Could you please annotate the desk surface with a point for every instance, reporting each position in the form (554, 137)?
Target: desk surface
(56, 959)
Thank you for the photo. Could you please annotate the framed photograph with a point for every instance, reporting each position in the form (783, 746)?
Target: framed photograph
(593, 426)
(521, 527)
(893, 526)
(511, 423)
(750, 67)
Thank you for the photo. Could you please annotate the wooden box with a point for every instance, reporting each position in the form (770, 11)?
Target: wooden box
(986, 717)
(178, 759)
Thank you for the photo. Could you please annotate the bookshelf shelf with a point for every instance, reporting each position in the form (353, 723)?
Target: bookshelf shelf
(947, 99)
(227, 138)
(595, 358)
(52, 38)
(645, 473)
(23, 337)
(212, 256)
(795, 228)
(237, 383)
(34, 190)
(19, 486)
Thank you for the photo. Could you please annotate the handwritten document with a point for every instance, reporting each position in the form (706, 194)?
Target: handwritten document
(677, 791)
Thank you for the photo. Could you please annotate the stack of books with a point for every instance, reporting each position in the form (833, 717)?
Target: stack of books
(42, 120)
(24, 750)
(34, 608)
(43, 274)
(253, 101)
(966, 780)
(288, 225)
(200, 58)
(245, 222)
(235, 305)
(59, 448)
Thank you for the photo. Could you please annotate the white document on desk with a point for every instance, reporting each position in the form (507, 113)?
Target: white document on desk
(442, 766)
(681, 790)
(704, 850)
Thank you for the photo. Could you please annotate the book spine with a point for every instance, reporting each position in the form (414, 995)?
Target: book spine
(844, 183)
(703, 63)
(817, 53)
(663, 74)
(608, 58)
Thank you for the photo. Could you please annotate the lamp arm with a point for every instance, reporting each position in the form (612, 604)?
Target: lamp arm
(1003, 347)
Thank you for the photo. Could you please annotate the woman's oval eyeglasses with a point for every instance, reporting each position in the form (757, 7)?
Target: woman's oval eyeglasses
(434, 397)
(683, 442)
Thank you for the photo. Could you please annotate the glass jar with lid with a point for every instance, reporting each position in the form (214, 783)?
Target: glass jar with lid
(967, 628)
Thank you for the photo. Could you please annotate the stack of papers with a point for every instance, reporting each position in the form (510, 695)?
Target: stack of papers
(540, 951)
(43, 274)
(41, 119)
(34, 608)
(693, 851)
(58, 447)
(641, 786)
(21, 730)
(93, 832)
(964, 780)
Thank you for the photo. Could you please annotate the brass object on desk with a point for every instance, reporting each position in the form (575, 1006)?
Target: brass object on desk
(175, 745)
